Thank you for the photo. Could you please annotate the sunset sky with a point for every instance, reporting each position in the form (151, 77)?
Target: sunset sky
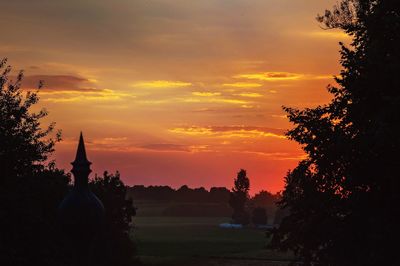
(174, 92)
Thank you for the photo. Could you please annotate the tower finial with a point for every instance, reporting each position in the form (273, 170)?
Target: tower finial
(81, 165)
(80, 157)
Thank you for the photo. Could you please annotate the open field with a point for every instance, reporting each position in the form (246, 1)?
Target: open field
(199, 241)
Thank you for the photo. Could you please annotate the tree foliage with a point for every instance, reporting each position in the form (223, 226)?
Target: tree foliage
(114, 246)
(343, 197)
(183, 194)
(239, 197)
(30, 187)
(25, 146)
(265, 199)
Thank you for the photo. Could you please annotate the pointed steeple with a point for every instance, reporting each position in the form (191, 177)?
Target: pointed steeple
(80, 157)
(81, 165)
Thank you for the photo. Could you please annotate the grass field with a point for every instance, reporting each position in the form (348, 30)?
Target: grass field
(199, 241)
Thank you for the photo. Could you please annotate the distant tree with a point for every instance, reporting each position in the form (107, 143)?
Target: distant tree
(161, 193)
(239, 197)
(30, 186)
(219, 194)
(264, 199)
(259, 216)
(352, 145)
(183, 194)
(114, 246)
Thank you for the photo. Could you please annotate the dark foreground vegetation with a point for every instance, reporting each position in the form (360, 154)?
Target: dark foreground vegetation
(343, 198)
(31, 189)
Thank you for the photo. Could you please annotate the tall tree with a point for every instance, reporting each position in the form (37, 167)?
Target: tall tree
(343, 197)
(30, 187)
(239, 197)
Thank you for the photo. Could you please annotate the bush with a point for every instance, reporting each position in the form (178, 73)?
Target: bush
(114, 246)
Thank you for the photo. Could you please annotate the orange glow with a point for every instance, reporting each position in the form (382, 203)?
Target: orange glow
(184, 92)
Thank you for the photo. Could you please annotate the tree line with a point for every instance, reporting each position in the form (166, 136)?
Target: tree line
(182, 194)
(215, 202)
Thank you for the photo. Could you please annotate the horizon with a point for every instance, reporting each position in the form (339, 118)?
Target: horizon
(173, 92)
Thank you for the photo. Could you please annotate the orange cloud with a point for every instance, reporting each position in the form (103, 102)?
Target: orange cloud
(281, 76)
(242, 85)
(166, 147)
(214, 100)
(79, 96)
(331, 34)
(229, 131)
(270, 76)
(162, 84)
(250, 94)
(206, 94)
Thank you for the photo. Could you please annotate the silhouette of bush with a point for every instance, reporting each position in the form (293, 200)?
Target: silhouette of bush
(114, 245)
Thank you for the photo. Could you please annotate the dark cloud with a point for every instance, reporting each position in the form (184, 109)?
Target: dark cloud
(59, 83)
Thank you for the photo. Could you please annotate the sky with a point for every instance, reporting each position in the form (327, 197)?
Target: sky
(174, 92)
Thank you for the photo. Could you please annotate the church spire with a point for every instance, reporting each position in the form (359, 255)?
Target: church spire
(81, 165)
(81, 212)
(80, 157)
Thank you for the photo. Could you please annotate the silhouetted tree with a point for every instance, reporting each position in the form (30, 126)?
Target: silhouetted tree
(343, 198)
(259, 216)
(219, 194)
(280, 214)
(161, 193)
(239, 197)
(114, 246)
(30, 188)
(264, 199)
(25, 146)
